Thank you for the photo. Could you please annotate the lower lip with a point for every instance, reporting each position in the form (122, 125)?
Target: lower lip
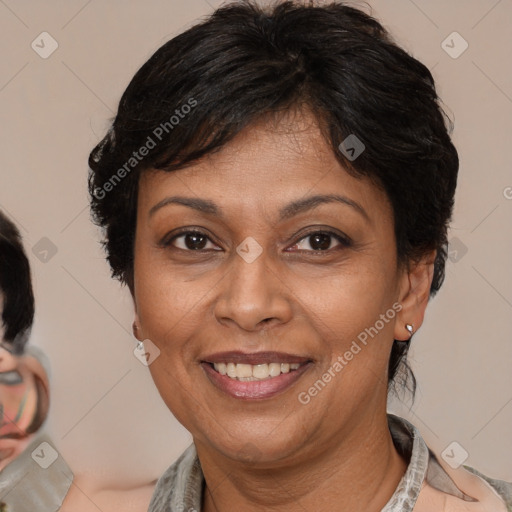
(256, 389)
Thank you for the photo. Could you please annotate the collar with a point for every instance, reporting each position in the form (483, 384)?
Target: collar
(427, 482)
(38, 479)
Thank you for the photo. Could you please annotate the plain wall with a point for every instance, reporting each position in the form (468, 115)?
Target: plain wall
(106, 415)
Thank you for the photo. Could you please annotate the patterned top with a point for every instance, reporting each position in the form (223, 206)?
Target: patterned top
(37, 480)
(428, 484)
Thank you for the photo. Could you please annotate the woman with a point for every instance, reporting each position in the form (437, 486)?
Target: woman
(24, 399)
(24, 402)
(275, 191)
(24, 393)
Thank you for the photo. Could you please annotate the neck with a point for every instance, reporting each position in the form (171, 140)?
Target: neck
(359, 472)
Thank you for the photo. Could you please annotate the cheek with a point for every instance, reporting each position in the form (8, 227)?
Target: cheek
(353, 315)
(165, 303)
(166, 317)
(350, 300)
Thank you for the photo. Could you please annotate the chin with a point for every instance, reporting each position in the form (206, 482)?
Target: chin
(259, 446)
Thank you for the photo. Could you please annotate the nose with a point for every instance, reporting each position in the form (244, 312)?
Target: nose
(253, 296)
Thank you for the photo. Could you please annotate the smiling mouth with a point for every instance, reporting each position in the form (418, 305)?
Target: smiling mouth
(254, 372)
(254, 376)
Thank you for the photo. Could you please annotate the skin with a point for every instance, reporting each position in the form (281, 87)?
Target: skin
(13, 437)
(276, 454)
(10, 398)
(86, 493)
(13, 434)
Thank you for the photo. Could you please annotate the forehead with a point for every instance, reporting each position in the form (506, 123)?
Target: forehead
(270, 163)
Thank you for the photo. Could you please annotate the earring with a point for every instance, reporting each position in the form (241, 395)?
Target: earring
(135, 329)
(410, 328)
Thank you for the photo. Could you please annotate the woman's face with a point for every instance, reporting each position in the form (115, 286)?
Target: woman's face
(271, 285)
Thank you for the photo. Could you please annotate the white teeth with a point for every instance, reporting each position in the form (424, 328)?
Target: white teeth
(274, 369)
(251, 372)
(260, 371)
(231, 367)
(244, 370)
(222, 368)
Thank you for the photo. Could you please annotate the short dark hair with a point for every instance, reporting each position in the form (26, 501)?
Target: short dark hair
(15, 286)
(246, 61)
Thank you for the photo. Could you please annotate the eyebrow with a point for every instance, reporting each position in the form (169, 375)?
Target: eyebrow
(288, 211)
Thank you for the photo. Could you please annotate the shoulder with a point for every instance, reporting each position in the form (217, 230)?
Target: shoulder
(503, 488)
(438, 483)
(85, 496)
(462, 484)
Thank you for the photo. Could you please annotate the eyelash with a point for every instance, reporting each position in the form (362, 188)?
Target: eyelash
(344, 241)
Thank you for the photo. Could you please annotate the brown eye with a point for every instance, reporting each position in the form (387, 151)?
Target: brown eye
(320, 241)
(190, 241)
(194, 241)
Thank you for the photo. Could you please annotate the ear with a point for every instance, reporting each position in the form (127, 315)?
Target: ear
(136, 329)
(414, 293)
(136, 326)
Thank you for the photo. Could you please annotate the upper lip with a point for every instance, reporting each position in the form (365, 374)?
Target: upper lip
(237, 356)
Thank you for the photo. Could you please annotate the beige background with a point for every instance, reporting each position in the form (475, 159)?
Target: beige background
(106, 416)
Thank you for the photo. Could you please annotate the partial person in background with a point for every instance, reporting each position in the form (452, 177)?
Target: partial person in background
(34, 477)
(23, 396)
